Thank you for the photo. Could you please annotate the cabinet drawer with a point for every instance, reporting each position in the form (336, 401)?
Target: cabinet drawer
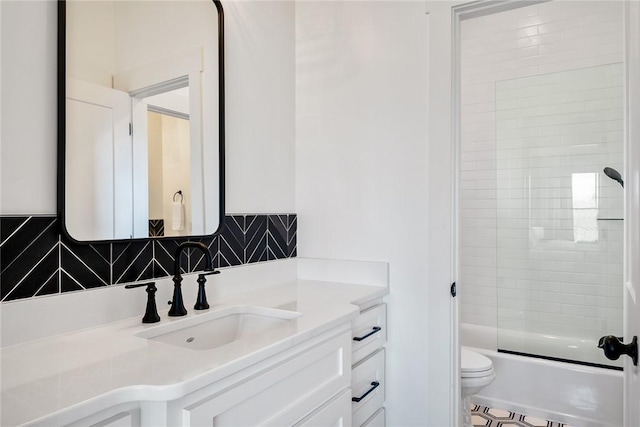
(376, 420)
(279, 396)
(335, 413)
(125, 415)
(369, 332)
(368, 383)
(124, 419)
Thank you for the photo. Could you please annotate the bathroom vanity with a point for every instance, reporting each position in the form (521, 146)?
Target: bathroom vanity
(293, 353)
(305, 348)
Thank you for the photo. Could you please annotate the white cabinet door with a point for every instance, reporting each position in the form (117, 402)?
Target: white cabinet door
(335, 413)
(376, 420)
(280, 395)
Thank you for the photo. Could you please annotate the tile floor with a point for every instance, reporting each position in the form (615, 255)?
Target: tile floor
(482, 416)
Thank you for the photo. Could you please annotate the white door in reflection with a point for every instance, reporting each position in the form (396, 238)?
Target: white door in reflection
(99, 196)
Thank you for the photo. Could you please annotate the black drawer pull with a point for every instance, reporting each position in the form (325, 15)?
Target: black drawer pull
(375, 329)
(374, 385)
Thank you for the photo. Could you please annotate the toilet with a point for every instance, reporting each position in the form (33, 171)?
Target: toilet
(476, 373)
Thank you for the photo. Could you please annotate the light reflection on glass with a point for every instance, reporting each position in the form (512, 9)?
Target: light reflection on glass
(584, 189)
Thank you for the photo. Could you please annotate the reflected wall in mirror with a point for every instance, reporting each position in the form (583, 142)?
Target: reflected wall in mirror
(141, 149)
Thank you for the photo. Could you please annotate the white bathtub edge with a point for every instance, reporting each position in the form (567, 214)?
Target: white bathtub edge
(478, 336)
(538, 413)
(572, 394)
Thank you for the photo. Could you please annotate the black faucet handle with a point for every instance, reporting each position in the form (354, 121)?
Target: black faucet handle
(151, 313)
(149, 285)
(201, 301)
(208, 273)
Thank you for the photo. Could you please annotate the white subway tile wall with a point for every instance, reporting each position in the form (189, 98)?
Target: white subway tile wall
(541, 116)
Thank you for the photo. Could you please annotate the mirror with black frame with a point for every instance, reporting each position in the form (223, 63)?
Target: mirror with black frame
(141, 118)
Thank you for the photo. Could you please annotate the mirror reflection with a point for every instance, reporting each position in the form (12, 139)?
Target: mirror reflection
(140, 159)
(169, 151)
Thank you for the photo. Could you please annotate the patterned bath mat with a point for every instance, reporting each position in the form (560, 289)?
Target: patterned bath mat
(482, 416)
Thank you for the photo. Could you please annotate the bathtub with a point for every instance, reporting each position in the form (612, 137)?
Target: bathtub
(565, 392)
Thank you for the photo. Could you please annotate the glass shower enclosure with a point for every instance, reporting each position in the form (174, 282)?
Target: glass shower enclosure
(541, 223)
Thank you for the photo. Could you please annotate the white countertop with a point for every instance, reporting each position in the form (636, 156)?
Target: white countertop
(108, 364)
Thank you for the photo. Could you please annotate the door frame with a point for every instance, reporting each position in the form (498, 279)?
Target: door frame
(443, 360)
(445, 18)
(445, 27)
(631, 313)
(444, 161)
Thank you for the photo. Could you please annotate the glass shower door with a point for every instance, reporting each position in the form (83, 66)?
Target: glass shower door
(559, 216)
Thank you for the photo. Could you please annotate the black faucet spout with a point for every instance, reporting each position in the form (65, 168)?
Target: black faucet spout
(195, 245)
(177, 304)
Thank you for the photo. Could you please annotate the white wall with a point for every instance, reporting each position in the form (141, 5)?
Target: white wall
(361, 166)
(90, 46)
(260, 107)
(28, 139)
(547, 283)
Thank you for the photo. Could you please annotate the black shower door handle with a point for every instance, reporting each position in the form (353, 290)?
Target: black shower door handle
(613, 348)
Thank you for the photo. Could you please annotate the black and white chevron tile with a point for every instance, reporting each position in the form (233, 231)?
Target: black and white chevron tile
(255, 234)
(29, 257)
(164, 255)
(83, 267)
(197, 261)
(36, 260)
(156, 227)
(280, 233)
(232, 241)
(132, 261)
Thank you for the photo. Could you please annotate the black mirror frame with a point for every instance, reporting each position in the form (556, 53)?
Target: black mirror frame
(62, 87)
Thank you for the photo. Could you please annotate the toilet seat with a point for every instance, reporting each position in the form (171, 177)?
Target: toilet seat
(480, 374)
(474, 365)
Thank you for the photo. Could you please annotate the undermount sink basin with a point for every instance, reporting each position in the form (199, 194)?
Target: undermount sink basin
(217, 328)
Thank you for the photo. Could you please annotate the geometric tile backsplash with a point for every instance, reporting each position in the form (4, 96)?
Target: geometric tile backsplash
(36, 260)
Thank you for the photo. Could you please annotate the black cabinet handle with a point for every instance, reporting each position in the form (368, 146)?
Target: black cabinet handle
(375, 329)
(374, 385)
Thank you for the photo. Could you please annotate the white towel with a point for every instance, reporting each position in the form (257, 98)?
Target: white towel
(178, 216)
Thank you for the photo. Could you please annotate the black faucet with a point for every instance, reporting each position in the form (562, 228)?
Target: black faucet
(201, 301)
(177, 305)
(151, 314)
